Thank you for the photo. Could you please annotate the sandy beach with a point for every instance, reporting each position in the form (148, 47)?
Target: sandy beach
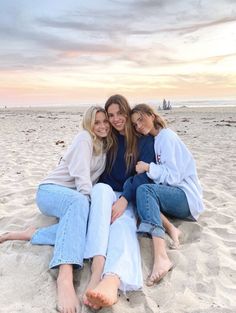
(204, 278)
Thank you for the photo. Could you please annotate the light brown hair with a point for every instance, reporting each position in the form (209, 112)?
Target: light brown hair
(130, 136)
(142, 108)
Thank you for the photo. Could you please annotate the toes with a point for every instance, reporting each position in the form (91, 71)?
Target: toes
(149, 282)
(175, 245)
(3, 237)
(152, 279)
(155, 278)
(59, 308)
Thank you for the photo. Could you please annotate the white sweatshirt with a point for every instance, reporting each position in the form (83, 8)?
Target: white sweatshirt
(175, 166)
(79, 167)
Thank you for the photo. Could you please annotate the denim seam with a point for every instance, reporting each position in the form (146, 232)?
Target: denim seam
(64, 232)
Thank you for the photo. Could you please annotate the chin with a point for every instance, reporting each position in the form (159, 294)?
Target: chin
(119, 129)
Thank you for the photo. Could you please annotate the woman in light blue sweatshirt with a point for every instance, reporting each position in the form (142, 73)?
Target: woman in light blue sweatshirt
(176, 192)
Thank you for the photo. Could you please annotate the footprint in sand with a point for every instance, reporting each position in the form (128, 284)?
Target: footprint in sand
(223, 219)
(192, 233)
(223, 233)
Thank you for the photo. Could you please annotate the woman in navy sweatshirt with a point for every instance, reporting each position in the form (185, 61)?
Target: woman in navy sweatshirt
(122, 268)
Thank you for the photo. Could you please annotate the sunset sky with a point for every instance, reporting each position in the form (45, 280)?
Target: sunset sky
(73, 52)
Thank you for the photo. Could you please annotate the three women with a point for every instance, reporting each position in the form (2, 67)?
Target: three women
(68, 193)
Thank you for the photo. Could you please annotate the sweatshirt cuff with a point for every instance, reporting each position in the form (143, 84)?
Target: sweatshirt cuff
(154, 171)
(127, 194)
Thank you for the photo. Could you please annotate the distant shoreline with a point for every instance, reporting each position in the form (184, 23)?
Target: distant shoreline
(82, 107)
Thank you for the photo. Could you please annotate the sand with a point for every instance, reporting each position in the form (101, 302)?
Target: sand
(204, 279)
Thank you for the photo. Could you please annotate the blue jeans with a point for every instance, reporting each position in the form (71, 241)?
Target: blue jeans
(68, 235)
(152, 199)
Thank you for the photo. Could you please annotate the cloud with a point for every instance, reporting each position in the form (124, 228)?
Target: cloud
(127, 37)
(196, 27)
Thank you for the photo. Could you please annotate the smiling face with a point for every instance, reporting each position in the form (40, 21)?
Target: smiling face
(101, 126)
(143, 123)
(116, 118)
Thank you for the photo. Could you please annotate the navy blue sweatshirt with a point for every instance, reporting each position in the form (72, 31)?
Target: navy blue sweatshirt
(118, 176)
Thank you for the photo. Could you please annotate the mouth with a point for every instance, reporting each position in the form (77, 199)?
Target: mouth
(118, 124)
(103, 131)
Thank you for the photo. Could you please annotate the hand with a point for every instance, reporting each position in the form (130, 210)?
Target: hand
(118, 208)
(142, 167)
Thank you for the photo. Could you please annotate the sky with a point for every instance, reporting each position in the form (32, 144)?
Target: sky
(81, 52)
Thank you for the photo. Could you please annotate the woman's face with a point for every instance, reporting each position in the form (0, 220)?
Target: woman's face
(116, 118)
(101, 126)
(142, 122)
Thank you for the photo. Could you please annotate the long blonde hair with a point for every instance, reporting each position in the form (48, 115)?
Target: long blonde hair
(142, 108)
(130, 136)
(100, 145)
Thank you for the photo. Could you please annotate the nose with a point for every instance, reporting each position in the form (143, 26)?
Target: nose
(138, 126)
(115, 118)
(103, 125)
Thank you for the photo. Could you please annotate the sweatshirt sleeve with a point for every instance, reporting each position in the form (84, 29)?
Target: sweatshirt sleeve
(78, 159)
(168, 171)
(132, 183)
(146, 154)
(146, 149)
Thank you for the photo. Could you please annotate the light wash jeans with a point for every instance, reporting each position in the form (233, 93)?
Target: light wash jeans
(99, 222)
(117, 241)
(68, 235)
(152, 199)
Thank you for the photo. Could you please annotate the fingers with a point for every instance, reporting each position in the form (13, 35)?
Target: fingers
(115, 216)
(138, 168)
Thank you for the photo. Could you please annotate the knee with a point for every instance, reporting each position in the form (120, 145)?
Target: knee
(100, 187)
(141, 191)
(100, 190)
(80, 200)
(146, 189)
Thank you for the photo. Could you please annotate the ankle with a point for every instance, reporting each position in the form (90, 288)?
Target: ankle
(97, 266)
(98, 262)
(112, 279)
(65, 273)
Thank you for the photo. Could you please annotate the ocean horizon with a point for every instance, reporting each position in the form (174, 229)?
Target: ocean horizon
(157, 103)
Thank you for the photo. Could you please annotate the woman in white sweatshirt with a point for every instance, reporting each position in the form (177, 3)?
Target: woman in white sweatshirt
(65, 194)
(176, 192)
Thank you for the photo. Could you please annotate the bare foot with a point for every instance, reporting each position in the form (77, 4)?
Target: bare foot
(91, 285)
(105, 294)
(160, 269)
(96, 273)
(67, 298)
(18, 235)
(175, 234)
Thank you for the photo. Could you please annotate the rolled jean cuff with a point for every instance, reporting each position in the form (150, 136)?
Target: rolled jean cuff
(151, 229)
(76, 264)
